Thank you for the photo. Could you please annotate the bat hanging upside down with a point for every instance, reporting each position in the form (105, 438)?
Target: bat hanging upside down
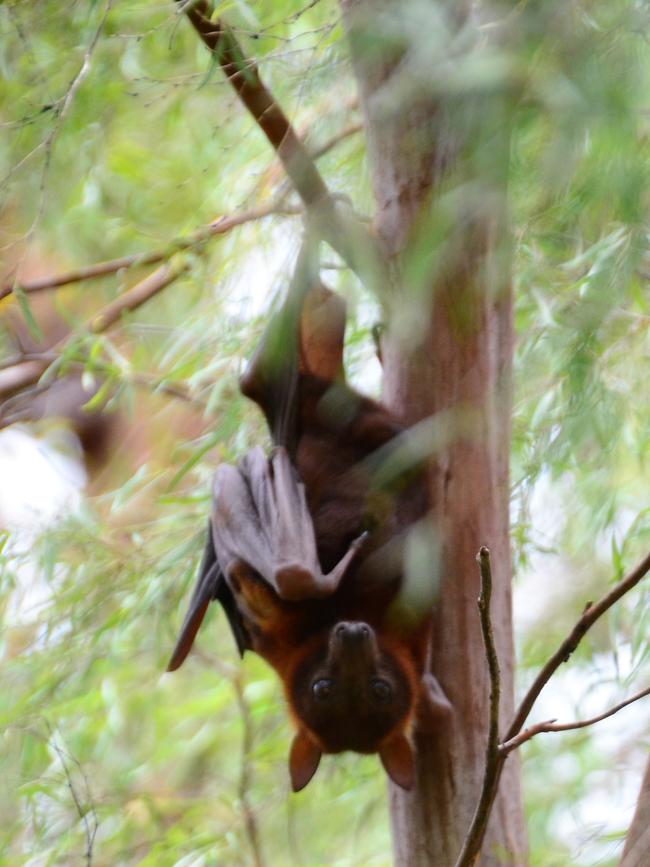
(305, 548)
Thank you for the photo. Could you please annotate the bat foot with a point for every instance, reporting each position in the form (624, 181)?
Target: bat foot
(434, 708)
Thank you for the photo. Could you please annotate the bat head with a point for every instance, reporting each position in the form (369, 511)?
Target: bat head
(354, 692)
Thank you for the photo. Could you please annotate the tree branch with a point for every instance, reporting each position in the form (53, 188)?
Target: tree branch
(341, 229)
(137, 295)
(591, 614)
(29, 373)
(484, 601)
(552, 726)
(244, 77)
(23, 404)
(153, 257)
(494, 765)
(493, 760)
(112, 266)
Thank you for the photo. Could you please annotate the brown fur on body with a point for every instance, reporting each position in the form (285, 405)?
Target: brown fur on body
(351, 662)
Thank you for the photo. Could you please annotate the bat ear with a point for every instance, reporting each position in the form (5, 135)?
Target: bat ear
(397, 758)
(433, 705)
(303, 760)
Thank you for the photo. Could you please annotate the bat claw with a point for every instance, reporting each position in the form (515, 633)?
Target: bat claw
(360, 541)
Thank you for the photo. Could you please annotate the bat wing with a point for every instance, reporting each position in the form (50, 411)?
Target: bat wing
(210, 584)
(260, 516)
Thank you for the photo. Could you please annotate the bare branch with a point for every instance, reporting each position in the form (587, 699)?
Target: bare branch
(153, 257)
(493, 760)
(244, 76)
(20, 374)
(552, 726)
(336, 139)
(341, 229)
(112, 266)
(29, 373)
(137, 295)
(494, 765)
(591, 614)
(484, 600)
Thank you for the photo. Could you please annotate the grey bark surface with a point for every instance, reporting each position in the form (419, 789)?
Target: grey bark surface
(637, 844)
(454, 358)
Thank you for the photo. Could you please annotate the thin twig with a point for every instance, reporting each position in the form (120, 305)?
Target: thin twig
(250, 820)
(334, 140)
(90, 832)
(153, 257)
(316, 153)
(61, 109)
(484, 601)
(111, 313)
(552, 726)
(137, 295)
(472, 843)
(476, 833)
(564, 651)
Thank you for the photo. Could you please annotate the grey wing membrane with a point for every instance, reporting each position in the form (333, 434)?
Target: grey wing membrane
(260, 516)
(210, 584)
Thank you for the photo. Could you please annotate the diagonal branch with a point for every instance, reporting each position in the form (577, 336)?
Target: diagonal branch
(340, 228)
(244, 77)
(494, 764)
(552, 726)
(591, 614)
(28, 373)
(137, 295)
(112, 266)
(217, 227)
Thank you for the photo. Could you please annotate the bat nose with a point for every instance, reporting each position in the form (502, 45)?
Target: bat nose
(352, 632)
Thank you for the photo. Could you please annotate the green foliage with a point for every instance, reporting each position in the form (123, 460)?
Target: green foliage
(150, 146)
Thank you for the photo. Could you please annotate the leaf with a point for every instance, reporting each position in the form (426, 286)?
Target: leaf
(32, 324)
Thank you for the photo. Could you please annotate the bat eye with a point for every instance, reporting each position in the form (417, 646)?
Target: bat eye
(322, 689)
(381, 689)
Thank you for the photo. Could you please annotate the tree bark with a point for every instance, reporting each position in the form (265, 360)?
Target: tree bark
(637, 845)
(438, 164)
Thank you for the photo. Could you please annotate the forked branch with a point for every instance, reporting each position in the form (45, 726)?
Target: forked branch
(591, 614)
(553, 726)
(497, 753)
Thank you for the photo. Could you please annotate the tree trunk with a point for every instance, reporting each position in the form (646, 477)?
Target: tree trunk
(637, 844)
(438, 168)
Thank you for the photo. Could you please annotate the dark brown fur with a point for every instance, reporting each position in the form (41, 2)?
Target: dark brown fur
(350, 655)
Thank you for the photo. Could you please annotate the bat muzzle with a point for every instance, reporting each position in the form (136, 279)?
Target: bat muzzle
(352, 640)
